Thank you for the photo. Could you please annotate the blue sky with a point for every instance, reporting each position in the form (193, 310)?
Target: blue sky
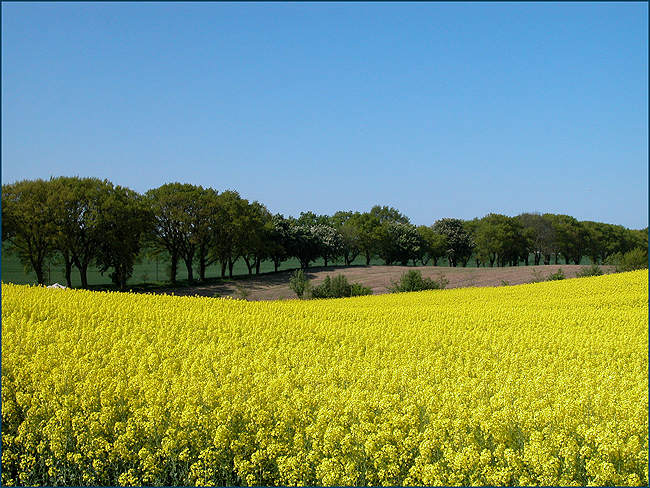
(438, 109)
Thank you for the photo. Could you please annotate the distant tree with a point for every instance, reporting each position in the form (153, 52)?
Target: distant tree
(571, 237)
(123, 221)
(400, 242)
(28, 223)
(76, 206)
(229, 233)
(305, 245)
(330, 242)
(472, 226)
(459, 243)
(348, 224)
(322, 235)
(279, 240)
(540, 236)
(638, 238)
(500, 238)
(310, 219)
(176, 210)
(388, 214)
(255, 227)
(434, 245)
(369, 235)
(209, 221)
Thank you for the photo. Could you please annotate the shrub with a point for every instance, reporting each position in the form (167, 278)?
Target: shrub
(357, 290)
(339, 287)
(558, 275)
(537, 276)
(324, 290)
(630, 261)
(593, 270)
(412, 280)
(299, 283)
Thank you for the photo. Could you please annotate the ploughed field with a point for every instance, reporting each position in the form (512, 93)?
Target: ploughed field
(542, 384)
(275, 286)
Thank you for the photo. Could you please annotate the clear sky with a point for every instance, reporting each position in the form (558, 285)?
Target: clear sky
(438, 109)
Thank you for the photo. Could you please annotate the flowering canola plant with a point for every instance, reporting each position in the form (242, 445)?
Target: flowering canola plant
(540, 384)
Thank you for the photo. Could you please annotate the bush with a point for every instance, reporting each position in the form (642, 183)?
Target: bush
(339, 287)
(537, 276)
(357, 290)
(299, 283)
(593, 270)
(630, 261)
(413, 281)
(558, 275)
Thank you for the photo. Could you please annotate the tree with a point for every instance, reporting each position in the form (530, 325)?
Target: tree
(254, 227)
(175, 207)
(330, 242)
(209, 223)
(433, 245)
(369, 226)
(348, 224)
(305, 245)
(28, 223)
(571, 237)
(540, 236)
(388, 214)
(500, 238)
(400, 242)
(459, 242)
(279, 240)
(123, 221)
(229, 234)
(77, 203)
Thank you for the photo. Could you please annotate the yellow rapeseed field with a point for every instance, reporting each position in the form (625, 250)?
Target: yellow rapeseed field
(541, 384)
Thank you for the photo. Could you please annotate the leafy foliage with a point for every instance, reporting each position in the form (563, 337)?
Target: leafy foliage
(558, 275)
(339, 287)
(635, 259)
(412, 280)
(299, 283)
(593, 270)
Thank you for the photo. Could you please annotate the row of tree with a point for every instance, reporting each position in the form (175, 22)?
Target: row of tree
(88, 221)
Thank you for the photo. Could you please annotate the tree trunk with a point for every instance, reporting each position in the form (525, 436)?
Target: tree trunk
(566, 259)
(257, 265)
(174, 268)
(202, 267)
(325, 260)
(83, 274)
(230, 265)
(190, 271)
(276, 264)
(68, 271)
(435, 261)
(223, 269)
(249, 265)
(556, 258)
(38, 269)
(577, 259)
(367, 258)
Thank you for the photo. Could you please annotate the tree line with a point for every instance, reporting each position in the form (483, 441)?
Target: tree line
(88, 221)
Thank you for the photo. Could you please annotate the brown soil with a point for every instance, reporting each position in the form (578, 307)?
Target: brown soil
(275, 286)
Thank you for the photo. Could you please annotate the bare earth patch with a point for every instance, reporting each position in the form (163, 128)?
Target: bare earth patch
(275, 286)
